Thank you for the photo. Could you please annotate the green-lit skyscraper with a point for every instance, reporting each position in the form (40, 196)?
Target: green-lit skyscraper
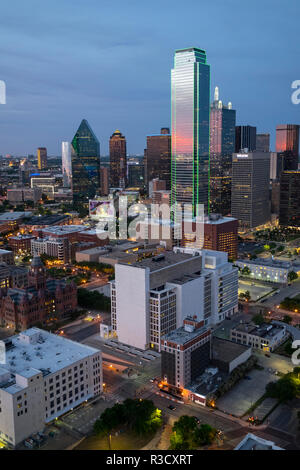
(85, 150)
(190, 98)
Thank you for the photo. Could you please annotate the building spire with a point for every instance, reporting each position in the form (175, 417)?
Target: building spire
(216, 94)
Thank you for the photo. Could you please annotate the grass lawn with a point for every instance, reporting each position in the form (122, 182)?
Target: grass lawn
(124, 441)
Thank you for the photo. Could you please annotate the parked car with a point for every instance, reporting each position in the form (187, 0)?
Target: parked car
(29, 443)
(171, 407)
(197, 419)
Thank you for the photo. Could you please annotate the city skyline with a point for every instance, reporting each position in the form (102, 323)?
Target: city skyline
(250, 81)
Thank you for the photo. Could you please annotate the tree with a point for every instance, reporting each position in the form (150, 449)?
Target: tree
(287, 319)
(258, 319)
(285, 389)
(292, 276)
(177, 443)
(246, 271)
(186, 425)
(204, 435)
(93, 300)
(140, 416)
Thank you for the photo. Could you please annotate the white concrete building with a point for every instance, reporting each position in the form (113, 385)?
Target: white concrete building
(42, 376)
(152, 297)
(253, 442)
(268, 269)
(265, 337)
(59, 248)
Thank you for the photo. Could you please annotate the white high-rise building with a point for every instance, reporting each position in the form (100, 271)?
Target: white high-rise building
(66, 164)
(42, 376)
(152, 297)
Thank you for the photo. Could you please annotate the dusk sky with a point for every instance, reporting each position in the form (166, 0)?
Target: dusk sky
(109, 62)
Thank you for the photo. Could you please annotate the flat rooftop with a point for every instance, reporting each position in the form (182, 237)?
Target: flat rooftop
(63, 229)
(253, 442)
(166, 259)
(225, 350)
(7, 216)
(218, 220)
(48, 353)
(21, 237)
(47, 219)
(268, 262)
(182, 336)
(266, 330)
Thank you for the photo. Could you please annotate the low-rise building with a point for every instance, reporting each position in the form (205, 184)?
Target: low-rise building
(10, 221)
(59, 248)
(7, 257)
(42, 301)
(269, 269)
(227, 355)
(17, 195)
(253, 442)
(13, 276)
(265, 337)
(21, 243)
(42, 376)
(185, 353)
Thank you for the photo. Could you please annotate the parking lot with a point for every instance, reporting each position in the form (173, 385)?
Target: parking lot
(256, 290)
(247, 391)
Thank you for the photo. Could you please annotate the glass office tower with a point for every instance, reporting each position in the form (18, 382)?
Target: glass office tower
(222, 145)
(158, 158)
(287, 145)
(66, 164)
(118, 160)
(85, 150)
(190, 79)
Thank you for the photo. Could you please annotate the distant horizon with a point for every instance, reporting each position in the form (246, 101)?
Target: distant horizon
(61, 65)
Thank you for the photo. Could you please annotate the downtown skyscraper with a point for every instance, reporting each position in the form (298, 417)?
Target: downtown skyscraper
(287, 145)
(42, 158)
(190, 94)
(157, 157)
(85, 154)
(118, 160)
(66, 164)
(222, 145)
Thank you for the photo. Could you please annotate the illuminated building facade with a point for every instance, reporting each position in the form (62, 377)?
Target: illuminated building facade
(85, 153)
(250, 189)
(42, 158)
(185, 353)
(190, 79)
(157, 159)
(287, 145)
(66, 164)
(289, 205)
(118, 162)
(222, 145)
(245, 138)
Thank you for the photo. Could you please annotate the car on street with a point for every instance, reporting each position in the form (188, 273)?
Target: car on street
(197, 419)
(267, 355)
(171, 407)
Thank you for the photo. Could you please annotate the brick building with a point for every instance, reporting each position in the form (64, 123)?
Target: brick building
(21, 243)
(42, 301)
